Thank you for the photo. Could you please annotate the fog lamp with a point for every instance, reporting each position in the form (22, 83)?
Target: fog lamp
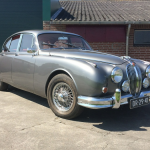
(125, 86)
(146, 83)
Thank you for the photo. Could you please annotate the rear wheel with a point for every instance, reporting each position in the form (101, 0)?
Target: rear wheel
(3, 86)
(62, 97)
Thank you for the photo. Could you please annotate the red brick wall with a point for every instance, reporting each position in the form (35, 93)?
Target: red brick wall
(109, 47)
(59, 27)
(116, 48)
(138, 52)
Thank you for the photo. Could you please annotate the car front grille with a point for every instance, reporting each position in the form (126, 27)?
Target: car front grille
(135, 79)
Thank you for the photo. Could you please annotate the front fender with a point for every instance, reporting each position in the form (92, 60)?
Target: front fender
(88, 79)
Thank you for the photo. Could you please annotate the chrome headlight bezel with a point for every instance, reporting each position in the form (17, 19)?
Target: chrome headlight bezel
(116, 75)
(146, 83)
(148, 71)
(125, 86)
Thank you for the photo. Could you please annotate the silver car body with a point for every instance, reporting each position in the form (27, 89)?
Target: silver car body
(32, 72)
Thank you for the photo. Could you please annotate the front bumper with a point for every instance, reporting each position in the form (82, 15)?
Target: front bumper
(114, 102)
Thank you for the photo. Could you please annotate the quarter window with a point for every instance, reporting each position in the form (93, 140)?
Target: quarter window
(27, 42)
(6, 46)
(14, 43)
(142, 37)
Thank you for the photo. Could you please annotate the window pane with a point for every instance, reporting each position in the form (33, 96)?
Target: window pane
(26, 42)
(142, 37)
(14, 43)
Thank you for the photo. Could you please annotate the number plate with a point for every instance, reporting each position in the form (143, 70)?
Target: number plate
(134, 103)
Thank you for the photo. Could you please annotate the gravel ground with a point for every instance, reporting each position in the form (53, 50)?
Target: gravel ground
(27, 123)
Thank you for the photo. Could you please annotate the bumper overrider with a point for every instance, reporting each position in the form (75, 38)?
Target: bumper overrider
(105, 102)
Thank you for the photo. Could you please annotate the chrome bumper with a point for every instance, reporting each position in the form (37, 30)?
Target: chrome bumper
(114, 102)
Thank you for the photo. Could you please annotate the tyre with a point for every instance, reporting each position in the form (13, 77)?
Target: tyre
(62, 97)
(3, 86)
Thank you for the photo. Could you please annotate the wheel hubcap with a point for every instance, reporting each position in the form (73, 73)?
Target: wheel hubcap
(62, 96)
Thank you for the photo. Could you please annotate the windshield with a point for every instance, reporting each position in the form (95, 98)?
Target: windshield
(65, 41)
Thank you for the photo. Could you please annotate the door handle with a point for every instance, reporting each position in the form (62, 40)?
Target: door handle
(16, 54)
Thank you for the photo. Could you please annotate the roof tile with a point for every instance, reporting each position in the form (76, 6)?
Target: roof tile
(103, 11)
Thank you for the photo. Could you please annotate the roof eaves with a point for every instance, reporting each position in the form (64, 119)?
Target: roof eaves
(99, 22)
(56, 13)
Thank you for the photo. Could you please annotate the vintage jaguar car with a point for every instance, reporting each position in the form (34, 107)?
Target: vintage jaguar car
(63, 68)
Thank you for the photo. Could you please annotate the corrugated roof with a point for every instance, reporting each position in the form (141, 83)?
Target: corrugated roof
(95, 11)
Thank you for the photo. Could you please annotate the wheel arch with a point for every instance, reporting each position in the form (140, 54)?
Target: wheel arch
(56, 72)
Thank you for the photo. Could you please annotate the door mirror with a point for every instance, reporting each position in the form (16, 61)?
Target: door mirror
(31, 50)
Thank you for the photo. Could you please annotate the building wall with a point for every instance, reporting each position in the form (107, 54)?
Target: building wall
(116, 48)
(17, 15)
(137, 51)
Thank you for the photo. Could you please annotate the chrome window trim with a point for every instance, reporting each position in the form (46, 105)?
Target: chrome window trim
(19, 43)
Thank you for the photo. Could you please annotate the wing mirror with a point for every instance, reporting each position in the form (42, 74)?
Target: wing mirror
(31, 50)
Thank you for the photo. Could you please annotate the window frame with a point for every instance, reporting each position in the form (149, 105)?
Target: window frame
(3, 49)
(140, 45)
(33, 37)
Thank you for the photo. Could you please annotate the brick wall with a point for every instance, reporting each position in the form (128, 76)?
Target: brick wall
(136, 51)
(59, 27)
(110, 47)
(116, 48)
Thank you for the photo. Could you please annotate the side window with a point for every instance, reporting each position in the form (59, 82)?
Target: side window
(14, 43)
(6, 46)
(28, 41)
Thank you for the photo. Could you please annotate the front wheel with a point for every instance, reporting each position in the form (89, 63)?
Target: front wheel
(62, 97)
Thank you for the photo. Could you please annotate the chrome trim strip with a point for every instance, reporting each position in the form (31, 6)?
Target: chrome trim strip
(98, 103)
(84, 59)
(19, 43)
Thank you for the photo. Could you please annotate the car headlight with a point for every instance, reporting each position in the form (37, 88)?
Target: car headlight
(116, 75)
(125, 86)
(148, 71)
(146, 83)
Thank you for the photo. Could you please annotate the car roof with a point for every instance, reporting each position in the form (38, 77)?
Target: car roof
(37, 32)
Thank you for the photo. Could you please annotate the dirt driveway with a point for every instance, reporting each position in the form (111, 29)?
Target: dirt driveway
(27, 123)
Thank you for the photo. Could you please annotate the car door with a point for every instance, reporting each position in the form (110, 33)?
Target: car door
(8, 53)
(23, 64)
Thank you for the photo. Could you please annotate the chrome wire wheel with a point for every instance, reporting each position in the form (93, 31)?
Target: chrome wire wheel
(62, 96)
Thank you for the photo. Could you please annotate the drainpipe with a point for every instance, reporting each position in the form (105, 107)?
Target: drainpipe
(127, 39)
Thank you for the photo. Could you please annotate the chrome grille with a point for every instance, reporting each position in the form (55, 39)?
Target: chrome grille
(135, 79)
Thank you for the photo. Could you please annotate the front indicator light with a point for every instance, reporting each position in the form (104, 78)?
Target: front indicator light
(104, 89)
